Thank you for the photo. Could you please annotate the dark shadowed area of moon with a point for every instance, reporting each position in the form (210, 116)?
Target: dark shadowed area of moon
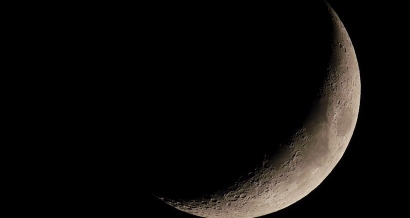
(241, 93)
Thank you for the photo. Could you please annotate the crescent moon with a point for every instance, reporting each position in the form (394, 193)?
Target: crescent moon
(311, 154)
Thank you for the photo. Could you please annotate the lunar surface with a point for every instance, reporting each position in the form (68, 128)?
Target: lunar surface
(285, 170)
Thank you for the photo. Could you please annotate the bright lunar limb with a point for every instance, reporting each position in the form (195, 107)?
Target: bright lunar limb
(312, 152)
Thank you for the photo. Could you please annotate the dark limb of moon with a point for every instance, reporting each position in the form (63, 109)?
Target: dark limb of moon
(257, 119)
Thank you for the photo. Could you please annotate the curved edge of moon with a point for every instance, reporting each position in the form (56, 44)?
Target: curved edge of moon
(309, 157)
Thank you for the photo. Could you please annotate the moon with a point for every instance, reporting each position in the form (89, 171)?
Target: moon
(291, 169)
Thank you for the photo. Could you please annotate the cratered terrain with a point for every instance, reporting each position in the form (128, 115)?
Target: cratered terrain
(253, 108)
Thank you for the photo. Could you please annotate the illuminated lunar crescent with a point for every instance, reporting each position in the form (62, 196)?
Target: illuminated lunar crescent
(312, 152)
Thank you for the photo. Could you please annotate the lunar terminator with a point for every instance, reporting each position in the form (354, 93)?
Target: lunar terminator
(312, 151)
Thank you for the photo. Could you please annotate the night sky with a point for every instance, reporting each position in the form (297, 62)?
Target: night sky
(364, 182)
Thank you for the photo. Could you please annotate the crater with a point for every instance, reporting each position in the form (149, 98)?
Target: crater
(344, 122)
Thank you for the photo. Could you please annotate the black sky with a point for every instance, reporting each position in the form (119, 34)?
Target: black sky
(364, 182)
